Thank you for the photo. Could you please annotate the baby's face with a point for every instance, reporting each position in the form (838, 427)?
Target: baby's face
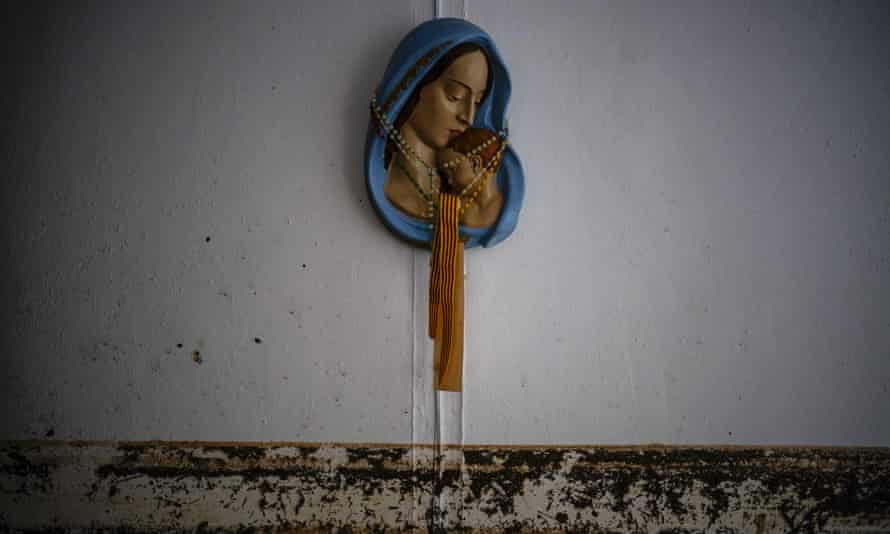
(460, 175)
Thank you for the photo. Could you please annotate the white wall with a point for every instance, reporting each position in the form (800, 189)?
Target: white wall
(702, 257)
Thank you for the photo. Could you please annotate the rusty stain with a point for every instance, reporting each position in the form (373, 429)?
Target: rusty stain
(196, 356)
(301, 487)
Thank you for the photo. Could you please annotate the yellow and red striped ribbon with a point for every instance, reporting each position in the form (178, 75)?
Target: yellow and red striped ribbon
(446, 295)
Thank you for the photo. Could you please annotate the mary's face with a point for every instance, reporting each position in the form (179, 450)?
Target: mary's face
(446, 107)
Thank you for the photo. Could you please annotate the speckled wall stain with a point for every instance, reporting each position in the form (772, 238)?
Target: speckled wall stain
(306, 487)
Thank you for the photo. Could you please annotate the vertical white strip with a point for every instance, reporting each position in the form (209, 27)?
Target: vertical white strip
(438, 503)
(450, 405)
(423, 409)
(421, 353)
(437, 419)
(436, 416)
(459, 498)
(451, 8)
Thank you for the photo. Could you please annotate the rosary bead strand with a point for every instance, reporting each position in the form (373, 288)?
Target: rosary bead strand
(432, 198)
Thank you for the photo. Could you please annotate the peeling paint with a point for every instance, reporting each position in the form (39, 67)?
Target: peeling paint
(301, 487)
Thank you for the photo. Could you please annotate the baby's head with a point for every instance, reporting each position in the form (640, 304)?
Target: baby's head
(475, 151)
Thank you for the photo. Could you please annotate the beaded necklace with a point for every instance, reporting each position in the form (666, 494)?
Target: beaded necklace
(487, 172)
(396, 136)
(432, 198)
(405, 149)
(476, 185)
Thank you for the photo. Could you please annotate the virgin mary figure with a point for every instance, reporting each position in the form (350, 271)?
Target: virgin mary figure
(445, 77)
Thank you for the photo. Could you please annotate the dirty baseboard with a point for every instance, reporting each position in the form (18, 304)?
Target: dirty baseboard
(304, 487)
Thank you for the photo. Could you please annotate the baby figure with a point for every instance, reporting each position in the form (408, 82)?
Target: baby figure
(468, 166)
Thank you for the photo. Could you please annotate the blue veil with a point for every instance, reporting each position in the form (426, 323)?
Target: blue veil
(415, 55)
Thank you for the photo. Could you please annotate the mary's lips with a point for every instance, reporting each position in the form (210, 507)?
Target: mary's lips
(453, 133)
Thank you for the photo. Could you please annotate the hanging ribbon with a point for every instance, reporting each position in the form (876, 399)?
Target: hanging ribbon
(446, 302)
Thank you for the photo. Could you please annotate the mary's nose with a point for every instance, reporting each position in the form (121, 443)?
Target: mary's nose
(467, 112)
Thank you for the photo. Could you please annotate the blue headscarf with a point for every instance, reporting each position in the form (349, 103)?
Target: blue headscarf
(412, 60)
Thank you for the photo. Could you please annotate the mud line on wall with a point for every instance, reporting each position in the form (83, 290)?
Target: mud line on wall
(303, 487)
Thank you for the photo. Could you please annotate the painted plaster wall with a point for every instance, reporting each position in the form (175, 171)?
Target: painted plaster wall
(702, 258)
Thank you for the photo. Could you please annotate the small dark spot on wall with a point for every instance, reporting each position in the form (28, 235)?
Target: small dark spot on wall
(207, 239)
(196, 356)
(257, 340)
(50, 433)
(179, 345)
(304, 265)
